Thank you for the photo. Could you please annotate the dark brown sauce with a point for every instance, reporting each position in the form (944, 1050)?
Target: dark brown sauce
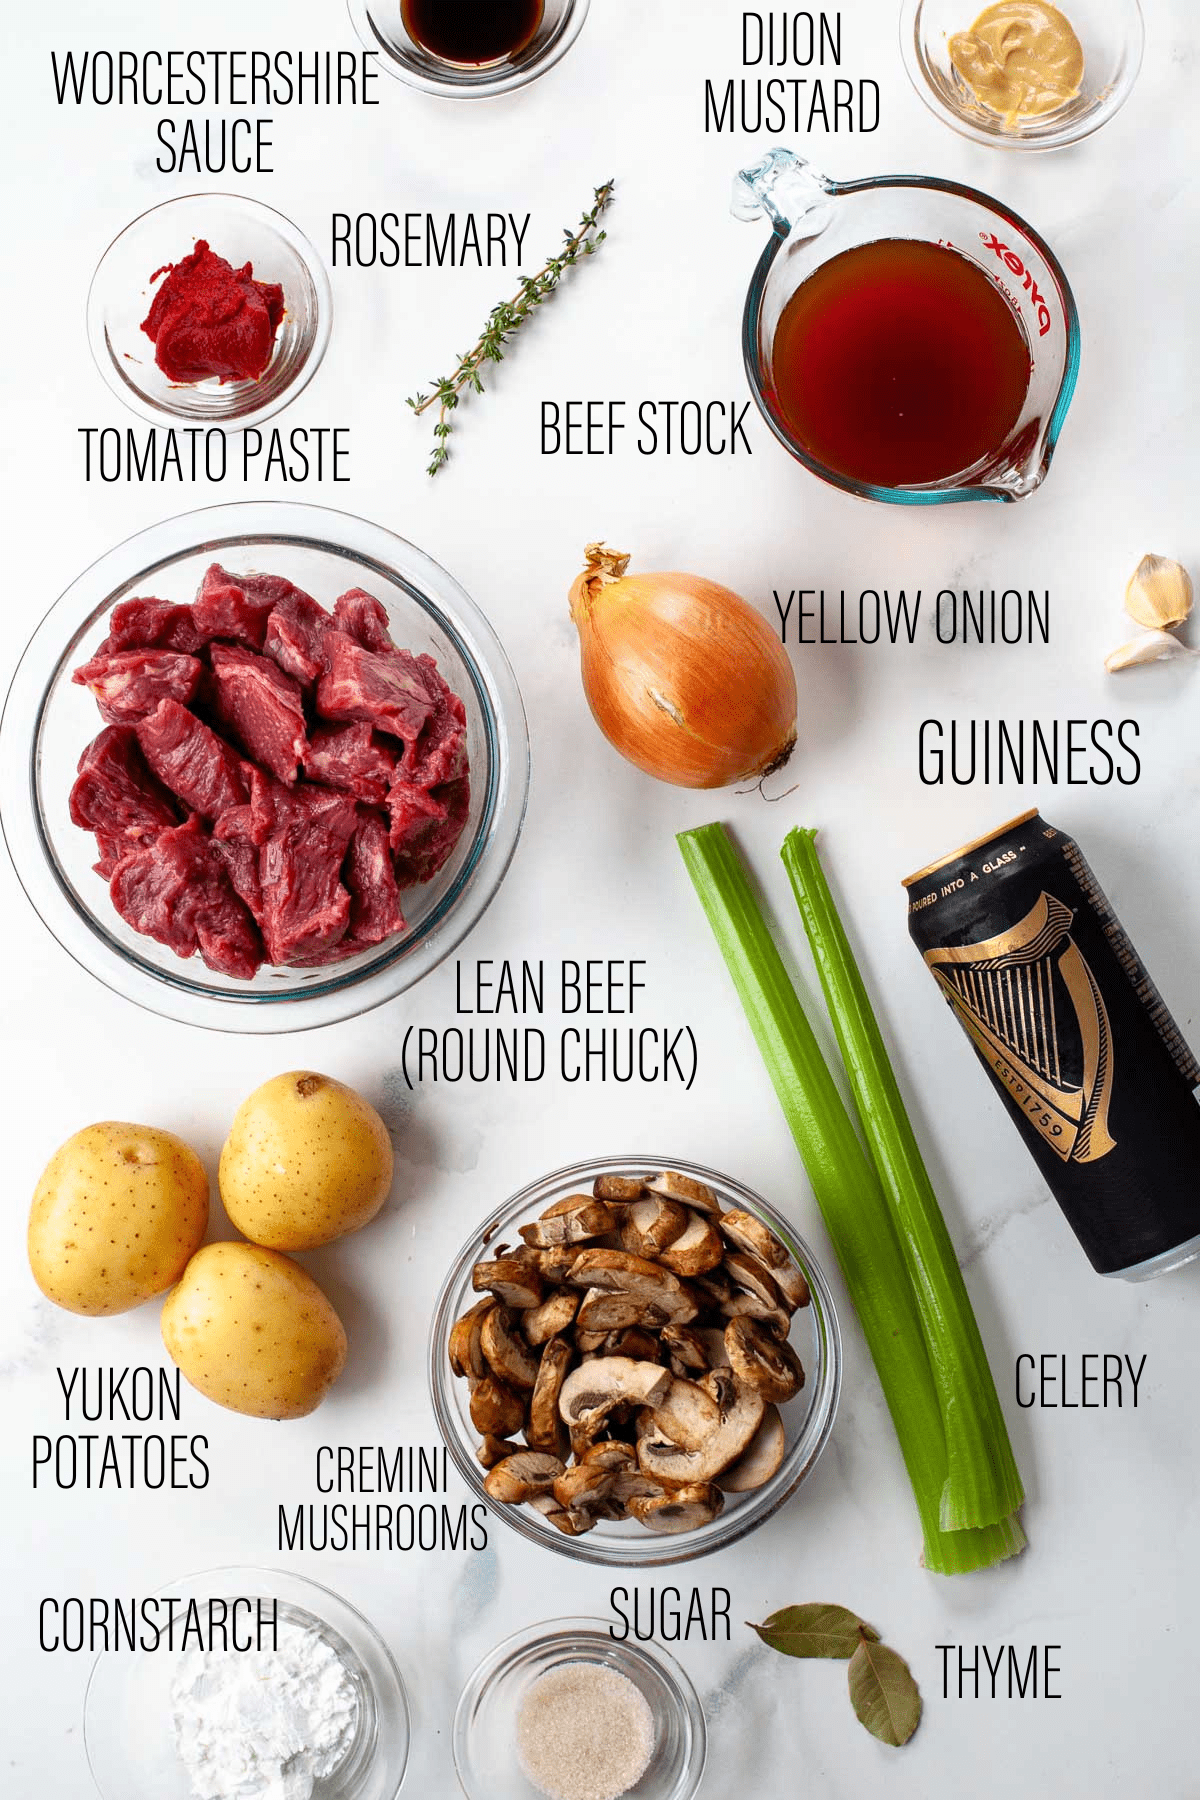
(472, 31)
(899, 362)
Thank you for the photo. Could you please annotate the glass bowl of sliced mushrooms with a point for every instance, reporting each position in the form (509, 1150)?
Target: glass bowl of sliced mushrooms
(635, 1361)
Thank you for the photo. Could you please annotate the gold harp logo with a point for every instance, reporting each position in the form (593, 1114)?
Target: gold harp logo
(1034, 1011)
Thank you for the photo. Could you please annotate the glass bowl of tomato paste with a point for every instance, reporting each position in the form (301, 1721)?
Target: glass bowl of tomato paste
(275, 282)
(49, 721)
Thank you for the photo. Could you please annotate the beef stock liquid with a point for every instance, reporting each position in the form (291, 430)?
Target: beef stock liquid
(899, 362)
(471, 32)
(1039, 972)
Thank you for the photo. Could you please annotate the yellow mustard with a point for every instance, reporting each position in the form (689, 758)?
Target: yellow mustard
(1020, 58)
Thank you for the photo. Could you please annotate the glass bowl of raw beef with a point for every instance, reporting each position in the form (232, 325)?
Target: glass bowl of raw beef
(263, 767)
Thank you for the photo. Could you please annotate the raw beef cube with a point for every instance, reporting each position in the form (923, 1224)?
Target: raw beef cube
(262, 708)
(128, 684)
(305, 908)
(374, 897)
(226, 608)
(295, 633)
(191, 760)
(364, 619)
(176, 891)
(389, 691)
(353, 758)
(235, 842)
(440, 753)
(426, 824)
(117, 797)
(151, 625)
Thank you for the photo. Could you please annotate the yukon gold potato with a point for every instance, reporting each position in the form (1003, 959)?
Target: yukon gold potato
(116, 1215)
(253, 1331)
(306, 1160)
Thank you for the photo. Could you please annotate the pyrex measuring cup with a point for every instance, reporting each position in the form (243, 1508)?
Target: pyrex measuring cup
(815, 218)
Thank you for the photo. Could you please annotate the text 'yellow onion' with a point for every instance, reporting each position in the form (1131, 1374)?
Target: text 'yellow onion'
(682, 676)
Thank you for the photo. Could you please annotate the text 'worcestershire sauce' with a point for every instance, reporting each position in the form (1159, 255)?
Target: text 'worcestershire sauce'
(472, 32)
(899, 362)
(1036, 966)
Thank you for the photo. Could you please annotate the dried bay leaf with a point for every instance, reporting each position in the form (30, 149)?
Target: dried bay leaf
(816, 1629)
(883, 1693)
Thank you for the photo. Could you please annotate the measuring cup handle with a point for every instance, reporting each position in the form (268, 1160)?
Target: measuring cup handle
(785, 188)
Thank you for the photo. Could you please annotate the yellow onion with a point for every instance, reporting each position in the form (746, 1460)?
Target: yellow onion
(682, 676)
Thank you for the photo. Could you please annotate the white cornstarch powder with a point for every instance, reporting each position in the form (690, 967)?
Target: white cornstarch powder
(584, 1732)
(264, 1724)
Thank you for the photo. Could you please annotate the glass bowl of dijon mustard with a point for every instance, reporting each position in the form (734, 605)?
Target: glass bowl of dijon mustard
(1023, 74)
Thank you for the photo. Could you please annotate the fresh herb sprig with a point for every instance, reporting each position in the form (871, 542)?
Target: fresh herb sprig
(505, 320)
(885, 1698)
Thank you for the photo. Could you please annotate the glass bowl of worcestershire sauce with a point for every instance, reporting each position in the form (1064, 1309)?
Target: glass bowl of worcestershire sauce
(468, 49)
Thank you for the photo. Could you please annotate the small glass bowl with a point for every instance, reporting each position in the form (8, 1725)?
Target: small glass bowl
(808, 1419)
(241, 231)
(380, 25)
(485, 1724)
(127, 1709)
(47, 722)
(1111, 33)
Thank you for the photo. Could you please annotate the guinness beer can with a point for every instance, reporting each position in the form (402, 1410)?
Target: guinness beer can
(1036, 966)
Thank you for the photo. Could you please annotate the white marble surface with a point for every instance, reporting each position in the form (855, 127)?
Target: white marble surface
(1112, 1496)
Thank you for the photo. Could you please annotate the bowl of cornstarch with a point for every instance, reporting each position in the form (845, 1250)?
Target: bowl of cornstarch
(563, 1711)
(243, 1684)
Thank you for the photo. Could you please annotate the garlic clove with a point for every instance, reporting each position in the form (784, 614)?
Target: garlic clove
(1159, 593)
(1147, 647)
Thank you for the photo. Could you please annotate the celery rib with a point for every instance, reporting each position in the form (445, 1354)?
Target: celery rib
(983, 1483)
(848, 1192)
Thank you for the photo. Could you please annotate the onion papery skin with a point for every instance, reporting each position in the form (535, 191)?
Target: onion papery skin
(683, 677)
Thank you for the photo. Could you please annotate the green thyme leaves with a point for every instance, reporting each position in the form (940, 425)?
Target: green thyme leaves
(883, 1693)
(504, 321)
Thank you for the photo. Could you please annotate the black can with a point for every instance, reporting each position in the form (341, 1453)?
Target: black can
(1031, 957)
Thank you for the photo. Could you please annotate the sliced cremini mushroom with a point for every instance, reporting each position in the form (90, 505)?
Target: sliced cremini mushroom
(494, 1450)
(749, 1306)
(741, 1410)
(651, 1225)
(747, 1232)
(713, 1339)
(466, 1341)
(591, 1392)
(522, 1476)
(665, 1298)
(683, 1509)
(612, 1455)
(760, 1359)
(696, 1194)
(515, 1280)
(555, 1314)
(700, 1248)
(714, 1288)
(631, 1484)
(587, 1341)
(507, 1352)
(753, 1277)
(584, 1488)
(544, 1429)
(634, 1341)
(570, 1221)
(552, 1265)
(686, 1346)
(686, 1414)
(762, 1456)
(621, 1188)
(495, 1410)
(556, 1515)
(602, 1311)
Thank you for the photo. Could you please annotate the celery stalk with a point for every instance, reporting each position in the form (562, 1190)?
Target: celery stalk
(983, 1483)
(848, 1193)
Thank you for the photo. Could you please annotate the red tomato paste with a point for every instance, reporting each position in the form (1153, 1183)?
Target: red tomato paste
(210, 319)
